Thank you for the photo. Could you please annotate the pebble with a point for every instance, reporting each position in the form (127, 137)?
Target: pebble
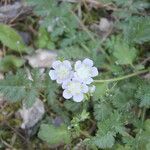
(31, 116)
(42, 58)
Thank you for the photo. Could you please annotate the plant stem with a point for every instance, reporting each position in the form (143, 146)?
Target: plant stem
(143, 115)
(85, 133)
(122, 77)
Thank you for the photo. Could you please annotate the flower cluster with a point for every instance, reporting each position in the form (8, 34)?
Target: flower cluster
(75, 81)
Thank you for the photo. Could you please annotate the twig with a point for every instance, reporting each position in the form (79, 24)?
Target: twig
(6, 144)
(20, 135)
(145, 61)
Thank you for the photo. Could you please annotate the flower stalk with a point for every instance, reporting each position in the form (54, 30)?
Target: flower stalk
(122, 77)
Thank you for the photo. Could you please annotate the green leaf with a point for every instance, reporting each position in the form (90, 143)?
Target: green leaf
(51, 90)
(108, 129)
(72, 106)
(31, 97)
(19, 88)
(13, 87)
(54, 135)
(10, 38)
(43, 39)
(106, 141)
(124, 55)
(137, 30)
(123, 52)
(102, 111)
(73, 52)
(10, 62)
(143, 94)
(62, 21)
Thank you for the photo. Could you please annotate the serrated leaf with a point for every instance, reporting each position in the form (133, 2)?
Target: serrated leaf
(12, 93)
(73, 53)
(13, 87)
(51, 92)
(10, 38)
(19, 88)
(137, 30)
(106, 141)
(54, 135)
(124, 55)
(31, 97)
(123, 52)
(102, 111)
(143, 94)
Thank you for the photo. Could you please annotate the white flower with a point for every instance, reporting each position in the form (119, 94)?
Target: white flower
(74, 89)
(84, 71)
(62, 71)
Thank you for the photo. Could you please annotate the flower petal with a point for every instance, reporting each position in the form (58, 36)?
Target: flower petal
(71, 75)
(88, 81)
(94, 72)
(66, 94)
(88, 62)
(77, 64)
(52, 75)
(56, 64)
(78, 98)
(59, 81)
(85, 88)
(67, 64)
(76, 78)
(65, 84)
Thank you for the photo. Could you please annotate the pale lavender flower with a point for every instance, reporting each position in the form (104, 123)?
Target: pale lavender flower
(84, 71)
(62, 71)
(74, 89)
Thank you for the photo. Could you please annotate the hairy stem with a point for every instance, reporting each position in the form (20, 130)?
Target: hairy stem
(122, 77)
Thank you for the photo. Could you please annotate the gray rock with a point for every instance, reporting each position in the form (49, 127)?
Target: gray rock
(1, 76)
(103, 28)
(105, 25)
(42, 58)
(14, 10)
(31, 116)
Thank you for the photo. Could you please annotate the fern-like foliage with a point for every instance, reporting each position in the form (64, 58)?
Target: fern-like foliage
(56, 15)
(13, 87)
(137, 30)
(143, 94)
(116, 109)
(73, 53)
(107, 130)
(18, 87)
(121, 50)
